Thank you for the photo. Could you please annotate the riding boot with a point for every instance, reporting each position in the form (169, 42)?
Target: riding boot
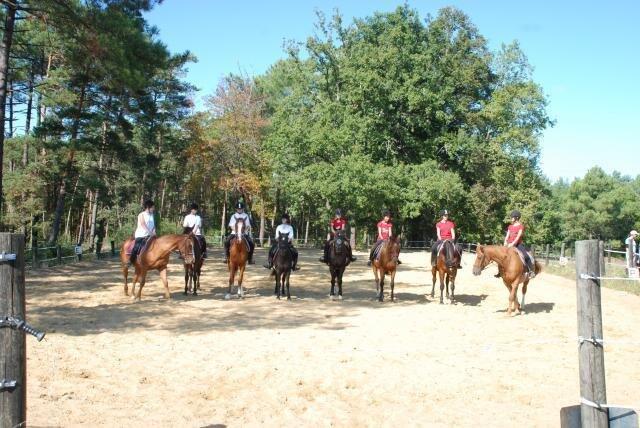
(532, 270)
(269, 263)
(295, 261)
(351, 258)
(433, 258)
(325, 256)
(227, 245)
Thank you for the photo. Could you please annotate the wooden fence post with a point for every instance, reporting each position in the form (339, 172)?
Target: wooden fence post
(603, 269)
(591, 353)
(34, 253)
(546, 256)
(13, 355)
(562, 250)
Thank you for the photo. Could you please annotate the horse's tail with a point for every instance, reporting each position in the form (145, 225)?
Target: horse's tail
(537, 267)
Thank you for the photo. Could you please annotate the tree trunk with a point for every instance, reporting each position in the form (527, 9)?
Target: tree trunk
(223, 218)
(43, 108)
(262, 221)
(27, 121)
(10, 94)
(55, 228)
(164, 191)
(306, 232)
(96, 193)
(5, 50)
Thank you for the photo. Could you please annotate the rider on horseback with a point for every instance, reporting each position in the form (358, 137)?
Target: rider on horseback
(446, 230)
(514, 238)
(193, 224)
(384, 232)
(239, 214)
(284, 228)
(145, 229)
(337, 223)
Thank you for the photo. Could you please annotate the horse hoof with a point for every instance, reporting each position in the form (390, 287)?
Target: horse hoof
(340, 297)
(227, 296)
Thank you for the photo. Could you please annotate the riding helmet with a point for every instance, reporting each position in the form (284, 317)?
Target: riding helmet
(193, 206)
(240, 206)
(444, 212)
(285, 216)
(148, 204)
(386, 213)
(515, 214)
(339, 212)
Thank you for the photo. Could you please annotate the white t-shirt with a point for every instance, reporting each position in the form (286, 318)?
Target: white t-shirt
(284, 228)
(148, 221)
(194, 221)
(234, 219)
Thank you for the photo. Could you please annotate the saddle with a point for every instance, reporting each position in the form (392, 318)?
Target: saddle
(128, 249)
(456, 250)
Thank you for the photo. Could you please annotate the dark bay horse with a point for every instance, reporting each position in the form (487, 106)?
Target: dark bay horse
(446, 268)
(238, 257)
(511, 270)
(282, 266)
(386, 264)
(338, 261)
(155, 257)
(192, 260)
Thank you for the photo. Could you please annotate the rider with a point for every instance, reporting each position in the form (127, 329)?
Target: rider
(337, 223)
(446, 230)
(283, 228)
(631, 242)
(239, 214)
(145, 229)
(193, 224)
(514, 238)
(384, 232)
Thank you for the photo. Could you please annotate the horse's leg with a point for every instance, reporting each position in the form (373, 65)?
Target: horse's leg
(441, 278)
(340, 273)
(454, 272)
(232, 277)
(392, 283)
(512, 296)
(377, 279)
(240, 277)
(447, 275)
(381, 294)
(516, 303)
(287, 275)
(186, 280)
(136, 280)
(165, 282)
(524, 291)
(143, 279)
(434, 271)
(333, 282)
(125, 273)
(278, 277)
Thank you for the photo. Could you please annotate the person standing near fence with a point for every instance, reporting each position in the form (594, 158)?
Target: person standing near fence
(631, 242)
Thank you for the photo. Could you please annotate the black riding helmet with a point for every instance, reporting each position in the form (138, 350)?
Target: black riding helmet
(285, 216)
(240, 206)
(386, 213)
(515, 214)
(193, 206)
(339, 212)
(445, 212)
(148, 204)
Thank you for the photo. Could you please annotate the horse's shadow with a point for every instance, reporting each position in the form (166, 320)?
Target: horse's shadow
(534, 308)
(469, 299)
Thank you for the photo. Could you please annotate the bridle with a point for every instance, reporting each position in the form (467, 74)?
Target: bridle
(482, 268)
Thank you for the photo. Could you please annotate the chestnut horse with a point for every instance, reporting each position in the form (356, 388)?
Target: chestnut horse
(155, 257)
(386, 263)
(338, 261)
(238, 257)
(447, 271)
(511, 270)
(192, 259)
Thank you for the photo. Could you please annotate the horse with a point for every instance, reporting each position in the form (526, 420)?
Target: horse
(192, 260)
(282, 265)
(446, 271)
(238, 257)
(338, 261)
(511, 270)
(386, 263)
(155, 257)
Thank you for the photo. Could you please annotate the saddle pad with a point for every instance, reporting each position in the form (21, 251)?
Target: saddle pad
(522, 258)
(128, 249)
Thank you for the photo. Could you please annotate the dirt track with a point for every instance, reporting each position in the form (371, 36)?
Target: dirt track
(201, 361)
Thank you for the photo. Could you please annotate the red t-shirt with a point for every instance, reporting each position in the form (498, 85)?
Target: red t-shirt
(385, 231)
(445, 229)
(339, 223)
(512, 232)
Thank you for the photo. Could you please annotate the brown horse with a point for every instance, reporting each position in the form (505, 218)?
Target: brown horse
(192, 260)
(386, 263)
(446, 271)
(155, 257)
(511, 270)
(238, 257)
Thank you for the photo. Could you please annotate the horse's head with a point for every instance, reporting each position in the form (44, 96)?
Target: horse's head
(393, 248)
(187, 249)
(283, 240)
(482, 260)
(339, 241)
(240, 226)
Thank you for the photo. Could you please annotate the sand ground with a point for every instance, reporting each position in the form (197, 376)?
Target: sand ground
(203, 361)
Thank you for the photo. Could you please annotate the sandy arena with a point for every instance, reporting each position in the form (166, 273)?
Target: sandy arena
(203, 361)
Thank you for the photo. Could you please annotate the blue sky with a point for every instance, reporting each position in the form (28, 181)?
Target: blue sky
(586, 56)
